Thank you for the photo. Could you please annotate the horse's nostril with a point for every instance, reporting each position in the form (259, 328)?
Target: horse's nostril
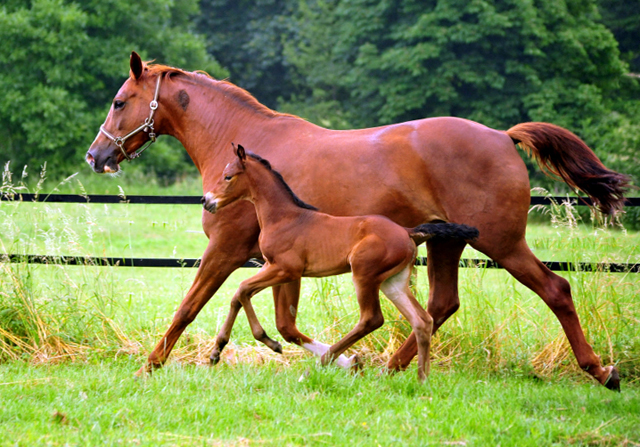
(90, 158)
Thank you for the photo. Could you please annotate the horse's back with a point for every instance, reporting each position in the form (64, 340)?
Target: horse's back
(435, 169)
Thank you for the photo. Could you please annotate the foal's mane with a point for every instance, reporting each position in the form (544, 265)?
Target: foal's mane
(238, 94)
(278, 176)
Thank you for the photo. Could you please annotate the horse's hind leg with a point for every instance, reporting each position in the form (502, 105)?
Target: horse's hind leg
(286, 297)
(443, 258)
(556, 293)
(398, 291)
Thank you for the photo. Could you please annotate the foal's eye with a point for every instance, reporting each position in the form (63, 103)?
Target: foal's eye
(228, 177)
(118, 104)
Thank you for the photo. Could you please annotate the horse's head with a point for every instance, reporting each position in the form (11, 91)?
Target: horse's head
(232, 186)
(130, 122)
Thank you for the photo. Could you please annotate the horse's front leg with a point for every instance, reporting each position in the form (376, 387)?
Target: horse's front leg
(286, 298)
(230, 243)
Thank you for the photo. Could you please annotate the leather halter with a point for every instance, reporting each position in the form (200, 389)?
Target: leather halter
(147, 126)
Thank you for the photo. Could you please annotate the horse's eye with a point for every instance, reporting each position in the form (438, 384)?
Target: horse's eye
(118, 104)
(228, 177)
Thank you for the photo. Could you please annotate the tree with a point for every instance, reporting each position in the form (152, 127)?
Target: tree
(622, 17)
(62, 62)
(247, 38)
(498, 62)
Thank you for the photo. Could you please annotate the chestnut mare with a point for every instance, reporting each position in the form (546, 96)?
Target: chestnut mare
(436, 169)
(297, 240)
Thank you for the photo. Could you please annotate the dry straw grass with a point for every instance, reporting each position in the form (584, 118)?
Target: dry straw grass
(38, 334)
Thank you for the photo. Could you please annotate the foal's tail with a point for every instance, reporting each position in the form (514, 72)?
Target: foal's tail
(443, 230)
(562, 154)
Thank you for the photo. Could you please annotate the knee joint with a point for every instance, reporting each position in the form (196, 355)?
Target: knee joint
(374, 322)
(441, 311)
(559, 296)
(184, 317)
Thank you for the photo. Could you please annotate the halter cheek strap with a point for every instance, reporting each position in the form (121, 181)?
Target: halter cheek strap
(147, 126)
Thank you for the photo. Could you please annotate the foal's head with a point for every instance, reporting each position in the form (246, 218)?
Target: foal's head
(232, 186)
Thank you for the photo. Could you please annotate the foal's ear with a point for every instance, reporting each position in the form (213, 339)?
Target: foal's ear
(136, 65)
(240, 152)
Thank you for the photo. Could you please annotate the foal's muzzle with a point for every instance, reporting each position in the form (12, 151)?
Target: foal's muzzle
(210, 203)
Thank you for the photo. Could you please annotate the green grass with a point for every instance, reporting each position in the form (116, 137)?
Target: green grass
(503, 373)
(101, 404)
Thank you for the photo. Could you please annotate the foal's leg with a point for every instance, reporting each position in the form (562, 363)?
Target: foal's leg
(269, 275)
(371, 318)
(556, 293)
(398, 291)
(286, 298)
(443, 258)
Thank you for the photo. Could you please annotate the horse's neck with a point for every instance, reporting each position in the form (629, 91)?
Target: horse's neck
(272, 201)
(214, 119)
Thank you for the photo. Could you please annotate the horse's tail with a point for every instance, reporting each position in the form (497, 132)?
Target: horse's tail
(442, 230)
(562, 154)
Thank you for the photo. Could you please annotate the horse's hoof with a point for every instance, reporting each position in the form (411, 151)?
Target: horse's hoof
(326, 358)
(214, 359)
(395, 365)
(613, 381)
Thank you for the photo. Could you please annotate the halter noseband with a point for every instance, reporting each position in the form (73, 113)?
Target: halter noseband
(147, 126)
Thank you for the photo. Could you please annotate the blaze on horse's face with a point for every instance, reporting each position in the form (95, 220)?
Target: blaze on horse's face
(128, 110)
(233, 185)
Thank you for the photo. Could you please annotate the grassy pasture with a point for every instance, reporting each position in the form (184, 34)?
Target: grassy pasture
(502, 370)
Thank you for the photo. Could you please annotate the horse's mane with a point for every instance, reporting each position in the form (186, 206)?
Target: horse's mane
(239, 94)
(296, 200)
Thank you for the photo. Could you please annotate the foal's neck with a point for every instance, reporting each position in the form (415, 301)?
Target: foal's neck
(272, 200)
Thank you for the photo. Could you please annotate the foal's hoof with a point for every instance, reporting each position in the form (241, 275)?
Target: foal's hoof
(277, 347)
(214, 358)
(613, 381)
(355, 364)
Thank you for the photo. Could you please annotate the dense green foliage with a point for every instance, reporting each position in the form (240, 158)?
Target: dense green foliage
(248, 37)
(339, 63)
(62, 62)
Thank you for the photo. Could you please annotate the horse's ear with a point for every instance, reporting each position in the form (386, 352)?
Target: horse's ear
(136, 65)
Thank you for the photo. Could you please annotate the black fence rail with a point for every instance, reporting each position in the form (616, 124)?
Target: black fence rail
(559, 266)
(196, 200)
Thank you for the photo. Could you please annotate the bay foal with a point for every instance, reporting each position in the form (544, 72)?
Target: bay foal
(297, 240)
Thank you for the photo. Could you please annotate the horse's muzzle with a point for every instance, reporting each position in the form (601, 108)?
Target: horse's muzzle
(101, 162)
(210, 203)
